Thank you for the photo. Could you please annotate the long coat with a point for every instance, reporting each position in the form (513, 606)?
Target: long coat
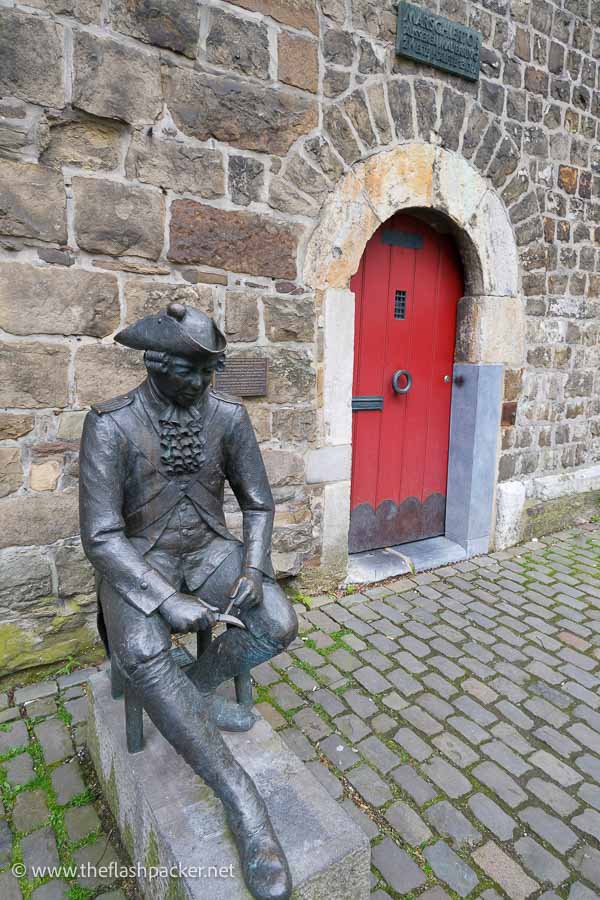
(126, 495)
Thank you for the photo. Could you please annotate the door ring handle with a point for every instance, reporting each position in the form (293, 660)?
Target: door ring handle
(401, 373)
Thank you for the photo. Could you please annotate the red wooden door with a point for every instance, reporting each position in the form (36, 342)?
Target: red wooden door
(407, 288)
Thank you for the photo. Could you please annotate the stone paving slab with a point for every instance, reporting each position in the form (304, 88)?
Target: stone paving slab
(455, 714)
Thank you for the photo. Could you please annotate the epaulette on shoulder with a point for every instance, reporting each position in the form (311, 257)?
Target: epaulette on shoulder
(228, 398)
(112, 405)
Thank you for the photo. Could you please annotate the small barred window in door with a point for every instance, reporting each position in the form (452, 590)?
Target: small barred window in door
(400, 305)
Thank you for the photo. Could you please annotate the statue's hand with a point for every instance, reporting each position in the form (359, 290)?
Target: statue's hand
(248, 590)
(184, 613)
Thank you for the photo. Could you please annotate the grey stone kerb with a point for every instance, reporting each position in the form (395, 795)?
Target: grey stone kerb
(490, 325)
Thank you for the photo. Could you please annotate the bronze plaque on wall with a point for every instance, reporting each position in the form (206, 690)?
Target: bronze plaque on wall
(437, 41)
(243, 377)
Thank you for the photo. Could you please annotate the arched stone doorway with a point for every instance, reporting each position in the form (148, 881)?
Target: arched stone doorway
(432, 181)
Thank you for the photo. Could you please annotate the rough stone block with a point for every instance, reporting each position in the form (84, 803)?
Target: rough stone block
(80, 821)
(238, 44)
(181, 820)
(44, 476)
(289, 318)
(249, 116)
(510, 503)
(9, 886)
(83, 141)
(291, 375)
(115, 80)
(24, 576)
(490, 330)
(285, 197)
(38, 518)
(246, 177)
(87, 11)
(99, 853)
(11, 470)
(104, 371)
(53, 300)
(176, 166)
(31, 50)
(408, 824)
(297, 13)
(162, 23)
(33, 202)
(342, 136)
(70, 425)
(298, 61)
(14, 426)
(117, 219)
(294, 425)
(241, 316)
(34, 374)
(283, 467)
(75, 573)
(144, 298)
(355, 107)
(451, 869)
(238, 241)
(376, 99)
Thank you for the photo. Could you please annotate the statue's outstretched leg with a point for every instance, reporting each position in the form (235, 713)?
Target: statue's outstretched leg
(142, 647)
(176, 709)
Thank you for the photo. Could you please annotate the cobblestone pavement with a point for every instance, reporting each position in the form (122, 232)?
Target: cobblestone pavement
(455, 715)
(49, 804)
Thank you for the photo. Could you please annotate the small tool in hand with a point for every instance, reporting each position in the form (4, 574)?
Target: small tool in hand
(223, 617)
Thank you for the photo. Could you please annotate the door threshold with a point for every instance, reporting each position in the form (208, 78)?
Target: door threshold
(403, 559)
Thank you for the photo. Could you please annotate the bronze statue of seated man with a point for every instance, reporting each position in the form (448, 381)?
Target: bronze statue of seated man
(153, 467)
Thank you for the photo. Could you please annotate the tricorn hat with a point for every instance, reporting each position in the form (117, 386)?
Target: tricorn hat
(178, 329)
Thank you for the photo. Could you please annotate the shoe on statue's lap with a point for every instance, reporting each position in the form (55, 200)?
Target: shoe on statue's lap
(228, 715)
(231, 716)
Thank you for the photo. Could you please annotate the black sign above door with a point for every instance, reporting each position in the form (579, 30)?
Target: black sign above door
(437, 41)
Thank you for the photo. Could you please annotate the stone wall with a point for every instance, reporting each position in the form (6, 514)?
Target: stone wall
(188, 154)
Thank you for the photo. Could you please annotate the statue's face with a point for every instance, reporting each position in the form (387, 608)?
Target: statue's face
(186, 380)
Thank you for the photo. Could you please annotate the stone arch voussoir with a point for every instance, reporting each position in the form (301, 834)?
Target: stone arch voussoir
(414, 175)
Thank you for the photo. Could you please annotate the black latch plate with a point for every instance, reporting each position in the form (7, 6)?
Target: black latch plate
(360, 404)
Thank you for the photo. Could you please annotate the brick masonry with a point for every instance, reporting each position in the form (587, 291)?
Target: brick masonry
(133, 150)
